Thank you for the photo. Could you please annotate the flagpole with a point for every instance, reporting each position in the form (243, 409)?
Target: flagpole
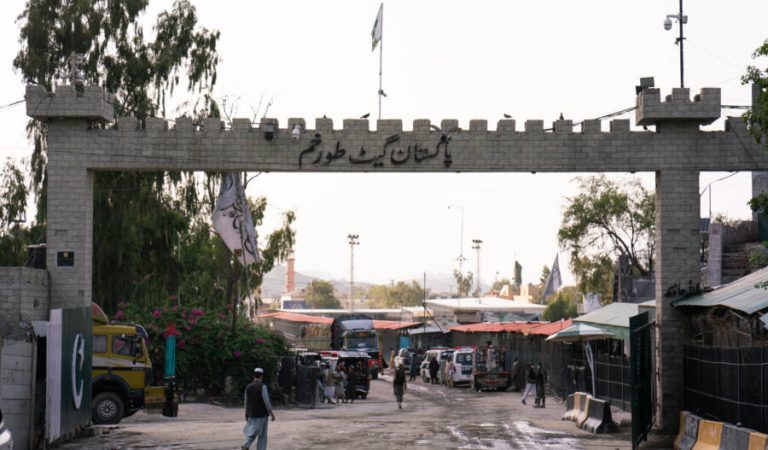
(381, 57)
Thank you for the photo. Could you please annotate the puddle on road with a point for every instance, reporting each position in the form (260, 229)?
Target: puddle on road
(517, 435)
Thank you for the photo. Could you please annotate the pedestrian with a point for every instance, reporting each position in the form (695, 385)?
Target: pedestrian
(541, 379)
(530, 386)
(257, 409)
(340, 377)
(450, 368)
(414, 369)
(434, 366)
(351, 389)
(392, 359)
(399, 385)
(490, 358)
(329, 382)
(513, 375)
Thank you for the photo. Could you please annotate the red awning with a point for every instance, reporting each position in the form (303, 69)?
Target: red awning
(393, 325)
(550, 328)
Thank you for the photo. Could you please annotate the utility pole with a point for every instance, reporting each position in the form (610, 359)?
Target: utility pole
(461, 257)
(476, 247)
(353, 240)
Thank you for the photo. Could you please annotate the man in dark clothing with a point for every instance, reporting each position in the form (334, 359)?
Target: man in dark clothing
(351, 388)
(513, 375)
(434, 366)
(257, 409)
(530, 380)
(399, 385)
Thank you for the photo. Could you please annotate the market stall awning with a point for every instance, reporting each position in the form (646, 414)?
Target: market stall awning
(550, 328)
(393, 325)
(613, 317)
(294, 317)
(742, 295)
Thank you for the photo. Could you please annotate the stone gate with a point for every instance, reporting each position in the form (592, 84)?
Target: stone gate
(83, 138)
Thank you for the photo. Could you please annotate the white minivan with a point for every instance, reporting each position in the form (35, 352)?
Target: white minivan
(463, 362)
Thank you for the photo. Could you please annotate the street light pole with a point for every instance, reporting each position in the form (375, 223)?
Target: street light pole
(476, 246)
(681, 20)
(353, 240)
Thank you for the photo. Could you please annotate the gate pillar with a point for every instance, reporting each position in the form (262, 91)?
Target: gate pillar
(677, 272)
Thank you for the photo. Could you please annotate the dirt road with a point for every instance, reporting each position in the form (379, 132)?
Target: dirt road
(433, 417)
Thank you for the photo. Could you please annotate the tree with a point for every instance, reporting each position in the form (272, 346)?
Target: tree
(463, 283)
(607, 219)
(498, 285)
(14, 236)
(400, 294)
(562, 305)
(544, 275)
(757, 117)
(319, 295)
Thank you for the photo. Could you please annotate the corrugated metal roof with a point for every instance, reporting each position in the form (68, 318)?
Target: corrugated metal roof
(293, 317)
(741, 295)
(393, 324)
(496, 327)
(613, 317)
(550, 328)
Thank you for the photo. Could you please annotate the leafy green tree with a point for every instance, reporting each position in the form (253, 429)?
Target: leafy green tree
(757, 117)
(319, 295)
(400, 294)
(463, 283)
(544, 275)
(15, 236)
(562, 305)
(607, 219)
(499, 284)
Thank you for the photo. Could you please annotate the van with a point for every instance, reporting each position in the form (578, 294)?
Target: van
(6, 441)
(429, 355)
(463, 362)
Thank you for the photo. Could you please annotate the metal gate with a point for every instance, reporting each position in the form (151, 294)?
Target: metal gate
(641, 377)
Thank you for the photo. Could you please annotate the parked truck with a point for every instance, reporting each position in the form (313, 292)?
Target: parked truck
(122, 372)
(350, 332)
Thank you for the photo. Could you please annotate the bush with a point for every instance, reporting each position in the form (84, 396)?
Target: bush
(206, 349)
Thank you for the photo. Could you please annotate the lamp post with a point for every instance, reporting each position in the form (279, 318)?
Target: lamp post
(353, 240)
(461, 257)
(476, 247)
(681, 20)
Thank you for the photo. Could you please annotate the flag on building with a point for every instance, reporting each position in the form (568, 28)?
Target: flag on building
(554, 281)
(378, 28)
(591, 302)
(232, 220)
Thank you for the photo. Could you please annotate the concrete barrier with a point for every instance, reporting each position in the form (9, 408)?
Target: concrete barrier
(599, 419)
(710, 433)
(735, 438)
(584, 412)
(689, 430)
(757, 441)
(576, 403)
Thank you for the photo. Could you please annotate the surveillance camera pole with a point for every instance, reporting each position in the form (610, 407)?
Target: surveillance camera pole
(353, 240)
(681, 20)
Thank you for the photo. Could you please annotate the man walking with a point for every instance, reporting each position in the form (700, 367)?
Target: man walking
(434, 366)
(541, 379)
(530, 386)
(399, 385)
(257, 408)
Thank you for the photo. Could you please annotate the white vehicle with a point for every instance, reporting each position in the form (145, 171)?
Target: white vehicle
(429, 355)
(463, 359)
(6, 441)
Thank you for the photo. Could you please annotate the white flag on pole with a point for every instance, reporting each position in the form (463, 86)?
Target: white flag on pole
(233, 222)
(378, 27)
(554, 280)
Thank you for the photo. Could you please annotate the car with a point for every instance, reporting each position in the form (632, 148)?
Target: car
(463, 359)
(6, 441)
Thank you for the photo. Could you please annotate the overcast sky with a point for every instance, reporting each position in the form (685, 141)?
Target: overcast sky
(447, 59)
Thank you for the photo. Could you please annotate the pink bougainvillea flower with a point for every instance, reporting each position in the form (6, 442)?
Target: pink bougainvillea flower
(172, 297)
(171, 330)
(259, 341)
(197, 311)
(182, 343)
(183, 315)
(119, 315)
(156, 313)
(237, 353)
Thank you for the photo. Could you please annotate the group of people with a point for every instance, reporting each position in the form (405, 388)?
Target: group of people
(340, 385)
(535, 379)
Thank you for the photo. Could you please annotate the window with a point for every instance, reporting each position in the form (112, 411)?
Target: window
(99, 343)
(122, 345)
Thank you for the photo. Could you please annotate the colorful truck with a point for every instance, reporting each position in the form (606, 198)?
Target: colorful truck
(350, 332)
(122, 372)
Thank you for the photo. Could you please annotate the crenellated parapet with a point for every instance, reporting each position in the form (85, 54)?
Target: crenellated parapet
(92, 103)
(678, 107)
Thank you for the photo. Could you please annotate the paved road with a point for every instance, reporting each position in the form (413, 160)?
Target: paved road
(433, 417)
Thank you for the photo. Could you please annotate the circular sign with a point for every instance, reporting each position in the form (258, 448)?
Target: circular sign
(78, 352)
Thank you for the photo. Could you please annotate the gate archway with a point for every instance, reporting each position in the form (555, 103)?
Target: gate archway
(676, 152)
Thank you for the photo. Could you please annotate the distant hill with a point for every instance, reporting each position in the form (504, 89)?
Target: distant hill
(272, 287)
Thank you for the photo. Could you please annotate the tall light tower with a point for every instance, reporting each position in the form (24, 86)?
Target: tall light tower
(461, 257)
(353, 240)
(476, 246)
